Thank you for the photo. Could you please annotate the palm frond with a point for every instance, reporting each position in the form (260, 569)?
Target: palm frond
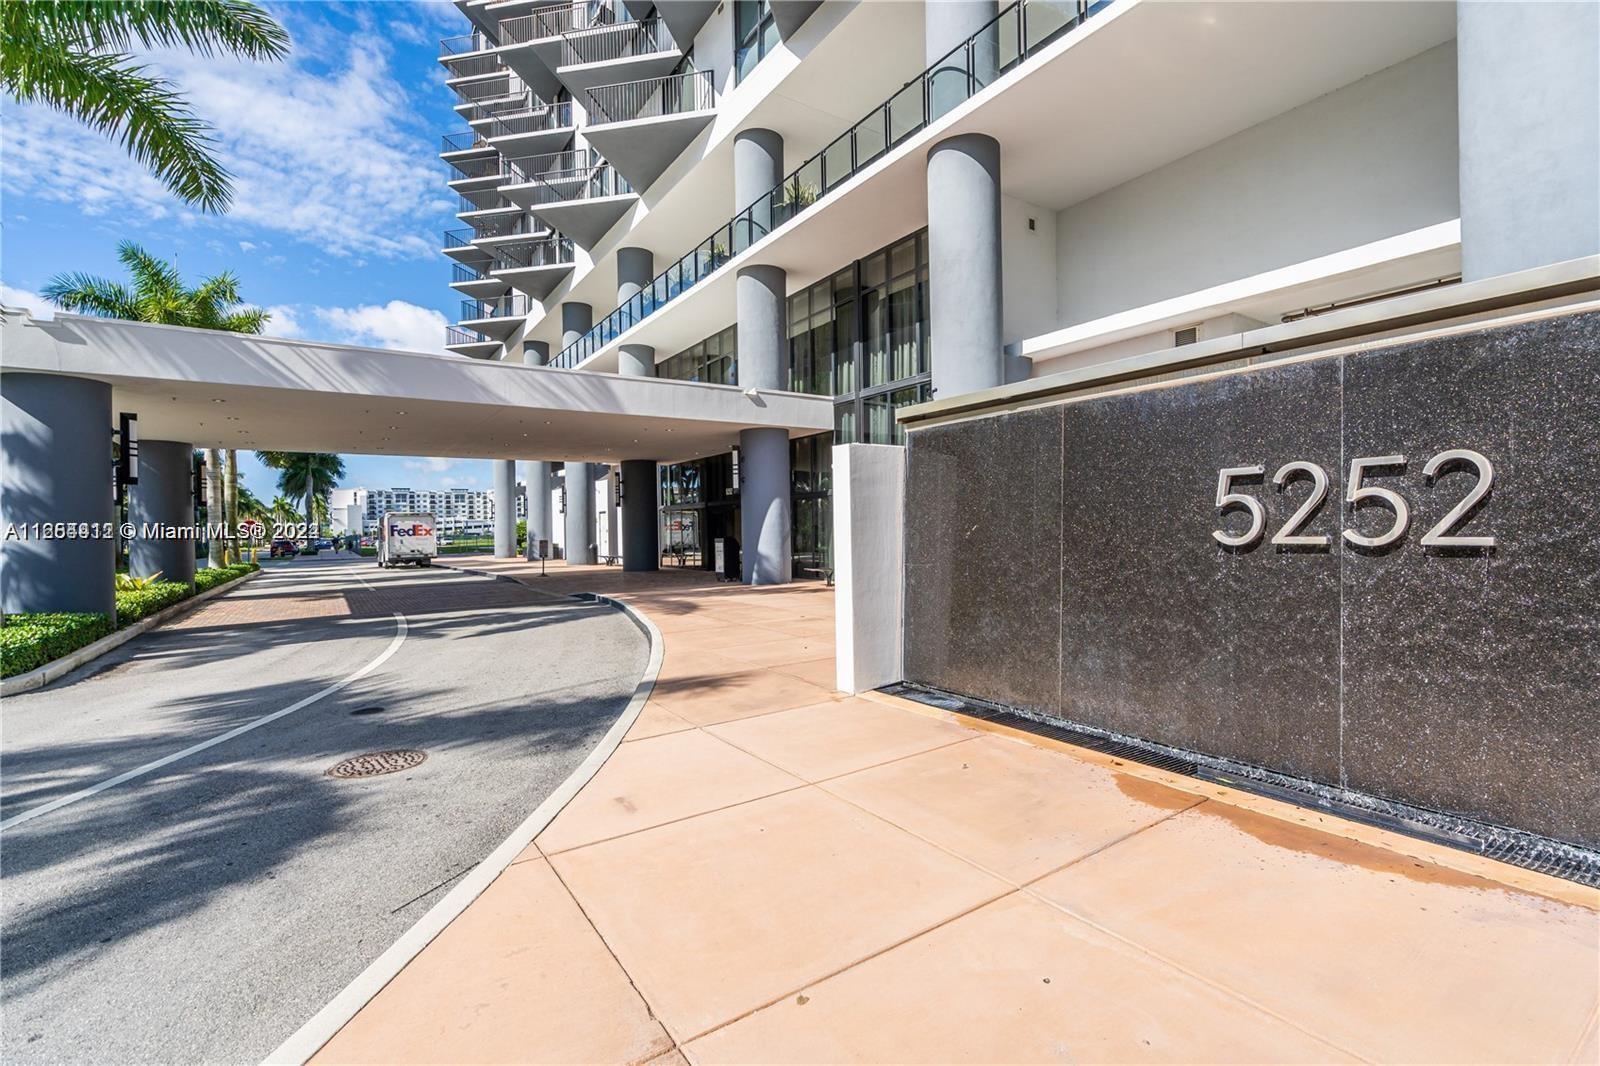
(204, 26)
(245, 320)
(155, 280)
(115, 96)
(87, 294)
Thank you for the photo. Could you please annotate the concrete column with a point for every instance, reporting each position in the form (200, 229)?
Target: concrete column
(641, 539)
(635, 271)
(757, 170)
(580, 514)
(576, 320)
(164, 496)
(55, 466)
(764, 508)
(537, 353)
(505, 508)
(1528, 93)
(964, 285)
(760, 296)
(947, 24)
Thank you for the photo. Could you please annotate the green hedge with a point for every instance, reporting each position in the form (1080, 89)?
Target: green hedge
(28, 641)
(136, 604)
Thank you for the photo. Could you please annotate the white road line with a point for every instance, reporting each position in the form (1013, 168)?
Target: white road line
(112, 782)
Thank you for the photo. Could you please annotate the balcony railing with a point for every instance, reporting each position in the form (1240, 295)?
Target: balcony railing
(495, 203)
(457, 335)
(474, 167)
(554, 250)
(511, 305)
(545, 117)
(504, 226)
(674, 94)
(461, 272)
(471, 66)
(1018, 32)
(476, 41)
(618, 40)
(506, 103)
(558, 177)
(497, 89)
(457, 238)
(463, 141)
(552, 21)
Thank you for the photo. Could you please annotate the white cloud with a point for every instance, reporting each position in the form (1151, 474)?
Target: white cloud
(429, 465)
(32, 302)
(396, 324)
(247, 246)
(283, 321)
(325, 156)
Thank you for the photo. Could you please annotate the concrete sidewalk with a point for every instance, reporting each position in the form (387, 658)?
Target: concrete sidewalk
(767, 871)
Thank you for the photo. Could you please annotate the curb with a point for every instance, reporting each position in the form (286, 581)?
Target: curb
(41, 676)
(310, 1037)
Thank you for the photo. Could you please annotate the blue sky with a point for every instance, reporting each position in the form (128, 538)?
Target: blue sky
(339, 195)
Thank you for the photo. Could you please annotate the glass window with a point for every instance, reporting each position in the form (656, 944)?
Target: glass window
(755, 35)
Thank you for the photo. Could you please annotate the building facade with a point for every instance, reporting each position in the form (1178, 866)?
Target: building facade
(892, 203)
(458, 510)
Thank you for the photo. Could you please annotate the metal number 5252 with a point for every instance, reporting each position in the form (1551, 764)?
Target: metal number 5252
(1356, 490)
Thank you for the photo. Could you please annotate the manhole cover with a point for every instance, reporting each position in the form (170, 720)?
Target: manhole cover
(374, 763)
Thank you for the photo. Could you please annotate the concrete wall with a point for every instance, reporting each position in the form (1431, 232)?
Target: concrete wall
(1028, 268)
(1371, 160)
(1530, 134)
(868, 549)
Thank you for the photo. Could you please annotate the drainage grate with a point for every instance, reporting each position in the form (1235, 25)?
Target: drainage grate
(1513, 846)
(367, 710)
(377, 762)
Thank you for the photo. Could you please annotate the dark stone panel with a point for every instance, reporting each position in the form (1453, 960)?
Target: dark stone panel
(1168, 635)
(983, 548)
(1472, 676)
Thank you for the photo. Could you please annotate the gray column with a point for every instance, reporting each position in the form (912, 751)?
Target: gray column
(764, 518)
(537, 353)
(1528, 90)
(964, 285)
(580, 514)
(505, 508)
(164, 496)
(948, 24)
(635, 271)
(760, 296)
(641, 541)
(55, 466)
(576, 320)
(757, 170)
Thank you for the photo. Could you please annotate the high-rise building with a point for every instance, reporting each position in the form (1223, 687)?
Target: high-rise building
(458, 510)
(891, 203)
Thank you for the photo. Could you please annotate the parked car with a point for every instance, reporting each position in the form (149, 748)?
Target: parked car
(281, 546)
(323, 542)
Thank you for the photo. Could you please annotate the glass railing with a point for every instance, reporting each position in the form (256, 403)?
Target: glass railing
(1016, 33)
(674, 94)
(554, 250)
(457, 335)
(618, 40)
(476, 41)
(461, 272)
(558, 177)
(457, 238)
(463, 141)
(511, 305)
(473, 167)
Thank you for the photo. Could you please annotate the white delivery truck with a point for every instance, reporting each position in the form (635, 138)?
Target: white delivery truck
(407, 537)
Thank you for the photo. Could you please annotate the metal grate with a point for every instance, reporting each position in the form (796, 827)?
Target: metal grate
(375, 763)
(1502, 843)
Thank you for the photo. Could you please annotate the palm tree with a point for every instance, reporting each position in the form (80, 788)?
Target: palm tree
(157, 294)
(72, 55)
(308, 477)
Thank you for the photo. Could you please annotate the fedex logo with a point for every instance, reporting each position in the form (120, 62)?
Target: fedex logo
(417, 530)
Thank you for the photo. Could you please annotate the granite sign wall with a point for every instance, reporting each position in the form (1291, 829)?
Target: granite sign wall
(1073, 559)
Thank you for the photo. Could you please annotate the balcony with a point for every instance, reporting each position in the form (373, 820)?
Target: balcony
(466, 141)
(542, 128)
(469, 56)
(477, 282)
(483, 99)
(642, 126)
(532, 43)
(458, 245)
(535, 267)
(495, 319)
(620, 51)
(469, 342)
(1018, 32)
(474, 174)
(578, 193)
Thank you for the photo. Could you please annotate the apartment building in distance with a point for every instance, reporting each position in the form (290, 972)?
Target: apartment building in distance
(896, 203)
(458, 510)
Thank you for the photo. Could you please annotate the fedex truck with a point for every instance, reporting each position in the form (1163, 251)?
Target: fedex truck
(407, 537)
